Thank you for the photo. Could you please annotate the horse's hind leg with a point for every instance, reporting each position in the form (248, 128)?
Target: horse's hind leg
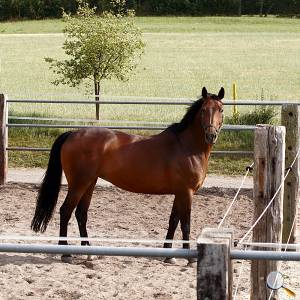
(82, 210)
(75, 192)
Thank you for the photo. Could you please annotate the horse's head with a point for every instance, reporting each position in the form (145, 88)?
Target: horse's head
(211, 115)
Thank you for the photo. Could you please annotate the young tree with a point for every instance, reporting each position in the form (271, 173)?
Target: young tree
(97, 47)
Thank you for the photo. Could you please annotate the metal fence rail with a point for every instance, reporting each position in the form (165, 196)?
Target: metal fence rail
(141, 101)
(215, 153)
(24, 125)
(98, 250)
(179, 101)
(142, 251)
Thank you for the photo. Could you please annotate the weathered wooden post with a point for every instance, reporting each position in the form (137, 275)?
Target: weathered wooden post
(269, 158)
(3, 139)
(214, 269)
(290, 118)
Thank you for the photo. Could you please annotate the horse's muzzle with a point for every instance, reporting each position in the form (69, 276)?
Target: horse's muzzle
(211, 135)
(211, 138)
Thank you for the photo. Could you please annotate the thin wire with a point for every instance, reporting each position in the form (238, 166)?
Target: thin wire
(238, 280)
(241, 269)
(92, 239)
(271, 201)
(235, 197)
(289, 237)
(280, 267)
(273, 245)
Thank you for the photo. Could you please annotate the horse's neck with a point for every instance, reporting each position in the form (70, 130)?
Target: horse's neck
(193, 141)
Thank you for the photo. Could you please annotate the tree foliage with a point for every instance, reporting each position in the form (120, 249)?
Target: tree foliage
(35, 9)
(98, 47)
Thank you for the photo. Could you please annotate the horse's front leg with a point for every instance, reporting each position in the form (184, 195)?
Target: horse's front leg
(185, 222)
(173, 223)
(184, 210)
(181, 211)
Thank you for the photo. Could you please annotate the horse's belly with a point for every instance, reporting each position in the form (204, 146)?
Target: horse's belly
(140, 183)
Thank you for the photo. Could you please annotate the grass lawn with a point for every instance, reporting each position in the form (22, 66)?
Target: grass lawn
(182, 54)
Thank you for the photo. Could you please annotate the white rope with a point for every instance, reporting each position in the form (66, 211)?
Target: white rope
(235, 197)
(271, 201)
(92, 239)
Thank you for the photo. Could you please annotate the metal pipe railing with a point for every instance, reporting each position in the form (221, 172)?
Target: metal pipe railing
(24, 125)
(97, 250)
(142, 252)
(215, 153)
(179, 101)
(265, 255)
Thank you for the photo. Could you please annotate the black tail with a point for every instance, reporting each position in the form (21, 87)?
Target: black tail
(49, 190)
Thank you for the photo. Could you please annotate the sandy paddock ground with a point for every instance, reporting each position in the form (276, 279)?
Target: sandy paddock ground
(115, 213)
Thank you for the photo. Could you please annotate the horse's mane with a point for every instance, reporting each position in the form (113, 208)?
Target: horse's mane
(190, 115)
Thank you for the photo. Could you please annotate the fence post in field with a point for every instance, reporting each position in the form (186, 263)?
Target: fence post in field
(3, 139)
(269, 166)
(290, 118)
(214, 269)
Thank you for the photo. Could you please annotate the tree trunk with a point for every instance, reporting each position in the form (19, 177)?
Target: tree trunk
(261, 8)
(97, 98)
(240, 8)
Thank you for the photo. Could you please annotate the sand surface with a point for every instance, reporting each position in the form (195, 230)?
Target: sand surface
(115, 213)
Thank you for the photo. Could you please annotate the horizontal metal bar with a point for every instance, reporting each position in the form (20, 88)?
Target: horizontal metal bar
(215, 153)
(144, 123)
(38, 149)
(225, 127)
(91, 239)
(97, 250)
(145, 102)
(142, 252)
(273, 245)
(122, 102)
(264, 255)
(233, 153)
(84, 126)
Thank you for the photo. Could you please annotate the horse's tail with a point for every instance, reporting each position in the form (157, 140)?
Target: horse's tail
(49, 190)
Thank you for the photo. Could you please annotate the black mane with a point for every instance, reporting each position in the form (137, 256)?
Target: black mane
(190, 115)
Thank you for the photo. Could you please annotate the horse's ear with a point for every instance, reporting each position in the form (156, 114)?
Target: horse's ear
(221, 93)
(204, 93)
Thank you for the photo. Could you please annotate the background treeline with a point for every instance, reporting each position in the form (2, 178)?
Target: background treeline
(38, 9)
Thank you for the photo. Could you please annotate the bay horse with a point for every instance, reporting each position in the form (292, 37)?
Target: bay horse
(174, 161)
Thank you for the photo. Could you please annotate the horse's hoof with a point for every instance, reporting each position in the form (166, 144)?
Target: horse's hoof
(66, 259)
(90, 257)
(170, 260)
(192, 262)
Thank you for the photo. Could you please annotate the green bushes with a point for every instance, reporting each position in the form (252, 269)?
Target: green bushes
(243, 140)
(190, 7)
(37, 9)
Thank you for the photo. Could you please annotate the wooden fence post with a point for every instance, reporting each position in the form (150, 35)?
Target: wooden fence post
(214, 268)
(269, 158)
(3, 139)
(290, 118)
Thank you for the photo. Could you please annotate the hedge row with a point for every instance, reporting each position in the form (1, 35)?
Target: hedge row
(37, 9)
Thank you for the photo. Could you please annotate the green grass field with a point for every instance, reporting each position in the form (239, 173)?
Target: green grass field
(182, 54)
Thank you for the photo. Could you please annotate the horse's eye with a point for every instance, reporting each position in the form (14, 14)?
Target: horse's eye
(221, 110)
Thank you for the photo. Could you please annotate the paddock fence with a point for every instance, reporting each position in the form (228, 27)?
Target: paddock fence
(276, 170)
(152, 127)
